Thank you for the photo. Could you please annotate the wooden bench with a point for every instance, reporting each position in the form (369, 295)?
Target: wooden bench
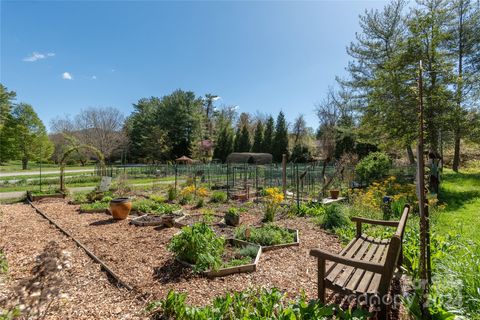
(365, 267)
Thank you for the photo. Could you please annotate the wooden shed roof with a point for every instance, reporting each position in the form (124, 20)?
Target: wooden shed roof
(249, 157)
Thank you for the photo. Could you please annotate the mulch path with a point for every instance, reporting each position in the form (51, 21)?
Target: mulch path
(140, 257)
(90, 295)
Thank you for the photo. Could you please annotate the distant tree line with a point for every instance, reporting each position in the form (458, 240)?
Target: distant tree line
(377, 102)
(374, 107)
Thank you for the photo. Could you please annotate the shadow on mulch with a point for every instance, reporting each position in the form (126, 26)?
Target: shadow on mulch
(172, 271)
(104, 222)
(344, 303)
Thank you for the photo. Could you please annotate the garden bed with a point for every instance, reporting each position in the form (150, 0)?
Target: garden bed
(36, 197)
(190, 219)
(144, 220)
(230, 255)
(270, 237)
(140, 256)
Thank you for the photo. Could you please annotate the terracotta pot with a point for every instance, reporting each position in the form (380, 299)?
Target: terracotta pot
(232, 220)
(120, 208)
(334, 194)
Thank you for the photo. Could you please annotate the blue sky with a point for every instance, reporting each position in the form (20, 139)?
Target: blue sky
(62, 56)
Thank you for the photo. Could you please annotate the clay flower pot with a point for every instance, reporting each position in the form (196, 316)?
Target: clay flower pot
(232, 220)
(120, 208)
(334, 194)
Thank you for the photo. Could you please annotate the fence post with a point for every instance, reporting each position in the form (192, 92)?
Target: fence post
(284, 174)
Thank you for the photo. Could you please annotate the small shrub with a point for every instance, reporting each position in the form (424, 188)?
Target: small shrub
(219, 197)
(266, 235)
(273, 198)
(199, 245)
(307, 210)
(171, 194)
(232, 212)
(157, 198)
(249, 251)
(200, 203)
(373, 167)
(333, 217)
(107, 199)
(80, 197)
(184, 200)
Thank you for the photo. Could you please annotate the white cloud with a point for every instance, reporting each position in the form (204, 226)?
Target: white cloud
(67, 76)
(38, 56)
(94, 77)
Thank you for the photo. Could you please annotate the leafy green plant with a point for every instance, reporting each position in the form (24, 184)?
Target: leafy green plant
(267, 304)
(219, 197)
(373, 167)
(333, 217)
(3, 263)
(153, 207)
(248, 251)
(200, 202)
(157, 198)
(198, 245)
(266, 235)
(307, 210)
(97, 205)
(232, 212)
(171, 194)
(237, 262)
(80, 197)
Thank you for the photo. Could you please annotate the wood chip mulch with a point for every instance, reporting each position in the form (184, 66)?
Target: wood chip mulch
(140, 257)
(89, 294)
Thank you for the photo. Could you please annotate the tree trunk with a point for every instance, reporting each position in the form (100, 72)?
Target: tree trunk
(411, 157)
(456, 154)
(24, 163)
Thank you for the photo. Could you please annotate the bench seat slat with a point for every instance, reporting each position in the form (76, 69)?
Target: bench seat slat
(349, 270)
(350, 251)
(366, 280)
(369, 256)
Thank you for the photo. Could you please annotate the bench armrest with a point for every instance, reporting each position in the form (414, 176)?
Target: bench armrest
(377, 222)
(365, 265)
(360, 220)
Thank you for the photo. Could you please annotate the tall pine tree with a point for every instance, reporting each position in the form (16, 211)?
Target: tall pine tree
(280, 142)
(224, 143)
(243, 144)
(268, 136)
(258, 138)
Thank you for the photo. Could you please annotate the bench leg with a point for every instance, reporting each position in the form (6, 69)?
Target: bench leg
(320, 280)
(382, 314)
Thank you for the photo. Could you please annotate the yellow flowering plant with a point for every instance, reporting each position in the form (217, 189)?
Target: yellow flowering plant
(191, 190)
(273, 199)
(372, 197)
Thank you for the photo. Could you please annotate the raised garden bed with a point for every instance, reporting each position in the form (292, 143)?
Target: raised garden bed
(168, 220)
(230, 256)
(269, 237)
(36, 197)
(296, 242)
(190, 219)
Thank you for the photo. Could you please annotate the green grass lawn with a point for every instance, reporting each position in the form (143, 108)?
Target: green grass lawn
(16, 166)
(457, 274)
(47, 185)
(461, 193)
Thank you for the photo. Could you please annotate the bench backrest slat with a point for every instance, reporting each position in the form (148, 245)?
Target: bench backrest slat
(394, 252)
